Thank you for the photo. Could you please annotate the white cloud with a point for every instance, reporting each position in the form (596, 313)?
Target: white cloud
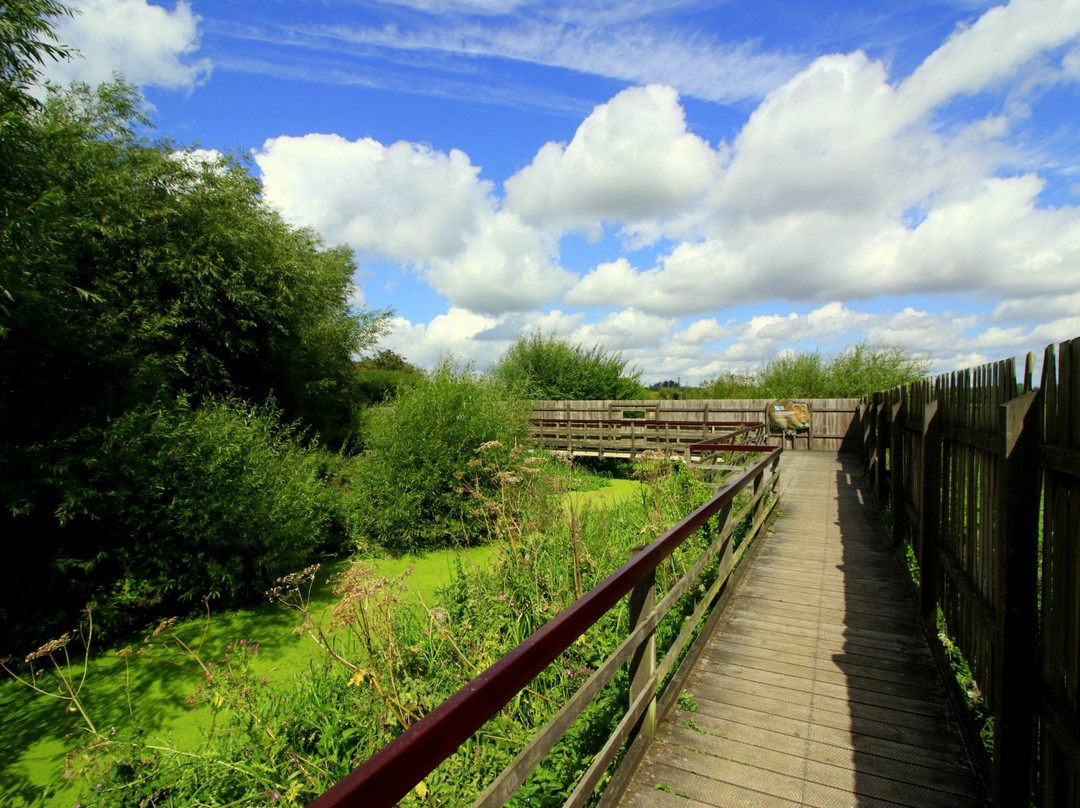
(410, 203)
(994, 48)
(628, 41)
(623, 330)
(631, 159)
(1038, 308)
(842, 185)
(506, 265)
(404, 201)
(451, 334)
(702, 332)
(839, 186)
(148, 44)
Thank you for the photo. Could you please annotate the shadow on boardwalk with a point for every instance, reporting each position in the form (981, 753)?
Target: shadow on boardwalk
(818, 687)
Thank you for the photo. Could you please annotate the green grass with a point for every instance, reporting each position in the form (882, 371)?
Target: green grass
(39, 733)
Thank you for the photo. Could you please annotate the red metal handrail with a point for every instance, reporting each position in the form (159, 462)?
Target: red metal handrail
(392, 772)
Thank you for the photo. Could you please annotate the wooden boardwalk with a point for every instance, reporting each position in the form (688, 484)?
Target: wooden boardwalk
(818, 687)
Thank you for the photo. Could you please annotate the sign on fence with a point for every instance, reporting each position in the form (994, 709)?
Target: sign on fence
(785, 416)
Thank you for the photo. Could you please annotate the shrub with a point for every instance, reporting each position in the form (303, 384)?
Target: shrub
(422, 461)
(855, 371)
(539, 367)
(863, 369)
(795, 375)
(217, 501)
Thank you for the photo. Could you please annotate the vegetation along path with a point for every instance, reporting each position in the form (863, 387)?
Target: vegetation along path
(818, 688)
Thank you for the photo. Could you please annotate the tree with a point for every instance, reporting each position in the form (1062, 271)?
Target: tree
(800, 374)
(385, 359)
(132, 275)
(26, 41)
(135, 272)
(539, 367)
(379, 377)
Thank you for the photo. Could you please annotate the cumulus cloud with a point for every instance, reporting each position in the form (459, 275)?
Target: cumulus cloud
(409, 203)
(447, 335)
(844, 184)
(631, 159)
(404, 201)
(148, 44)
(624, 330)
(506, 265)
(841, 185)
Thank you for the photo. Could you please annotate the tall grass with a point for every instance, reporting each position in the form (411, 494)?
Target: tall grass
(386, 659)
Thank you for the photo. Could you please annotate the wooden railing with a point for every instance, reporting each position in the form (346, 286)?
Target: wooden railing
(830, 424)
(983, 479)
(654, 684)
(630, 437)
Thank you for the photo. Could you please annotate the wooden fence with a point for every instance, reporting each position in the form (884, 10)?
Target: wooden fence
(983, 476)
(830, 422)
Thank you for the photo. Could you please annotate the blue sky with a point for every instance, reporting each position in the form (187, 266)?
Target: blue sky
(699, 185)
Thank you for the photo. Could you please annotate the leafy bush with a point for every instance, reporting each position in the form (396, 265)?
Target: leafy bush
(423, 468)
(377, 378)
(795, 375)
(863, 369)
(183, 503)
(730, 385)
(856, 371)
(539, 367)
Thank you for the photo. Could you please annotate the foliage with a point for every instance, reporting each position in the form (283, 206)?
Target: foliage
(132, 273)
(539, 367)
(862, 369)
(26, 41)
(377, 378)
(385, 663)
(856, 371)
(731, 385)
(385, 359)
(176, 504)
(423, 458)
(135, 269)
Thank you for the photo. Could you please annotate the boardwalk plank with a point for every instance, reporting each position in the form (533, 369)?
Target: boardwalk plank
(818, 687)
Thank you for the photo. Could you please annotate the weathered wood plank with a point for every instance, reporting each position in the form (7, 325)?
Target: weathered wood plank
(818, 688)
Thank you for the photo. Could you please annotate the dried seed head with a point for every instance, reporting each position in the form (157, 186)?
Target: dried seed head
(50, 648)
(163, 626)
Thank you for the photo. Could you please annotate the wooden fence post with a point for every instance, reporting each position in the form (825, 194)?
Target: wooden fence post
(643, 662)
(862, 433)
(1015, 669)
(896, 466)
(930, 511)
(881, 480)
